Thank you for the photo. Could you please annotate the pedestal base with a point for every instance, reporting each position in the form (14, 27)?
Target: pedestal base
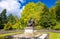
(29, 32)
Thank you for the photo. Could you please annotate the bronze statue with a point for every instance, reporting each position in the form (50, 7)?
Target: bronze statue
(31, 23)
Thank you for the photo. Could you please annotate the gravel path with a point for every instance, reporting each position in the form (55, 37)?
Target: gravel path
(5, 32)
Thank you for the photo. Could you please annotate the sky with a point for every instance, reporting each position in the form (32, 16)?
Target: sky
(16, 7)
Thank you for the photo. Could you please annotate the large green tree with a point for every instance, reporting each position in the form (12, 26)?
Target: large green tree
(3, 19)
(56, 12)
(27, 13)
(45, 17)
(32, 10)
(48, 18)
(57, 9)
(0, 21)
(53, 15)
(13, 23)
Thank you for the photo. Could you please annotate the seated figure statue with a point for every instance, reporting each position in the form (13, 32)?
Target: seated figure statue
(31, 22)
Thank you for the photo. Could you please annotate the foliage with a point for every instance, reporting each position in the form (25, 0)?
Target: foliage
(32, 10)
(27, 13)
(47, 18)
(43, 17)
(57, 9)
(40, 13)
(17, 26)
(8, 26)
(13, 23)
(3, 19)
(53, 15)
(57, 27)
(11, 19)
(38, 27)
(56, 15)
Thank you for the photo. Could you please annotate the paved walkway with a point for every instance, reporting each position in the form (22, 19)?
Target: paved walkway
(5, 32)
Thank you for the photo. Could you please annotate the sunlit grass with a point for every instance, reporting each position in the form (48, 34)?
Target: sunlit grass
(53, 35)
(1, 35)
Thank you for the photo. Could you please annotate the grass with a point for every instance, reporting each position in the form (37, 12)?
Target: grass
(2, 35)
(53, 35)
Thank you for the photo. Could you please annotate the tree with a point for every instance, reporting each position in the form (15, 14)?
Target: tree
(27, 13)
(3, 19)
(57, 10)
(11, 19)
(0, 21)
(45, 17)
(56, 15)
(45, 20)
(31, 10)
(13, 23)
(53, 15)
(8, 26)
(48, 18)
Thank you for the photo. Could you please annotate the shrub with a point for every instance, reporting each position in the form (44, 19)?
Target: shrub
(8, 26)
(57, 27)
(38, 27)
(17, 26)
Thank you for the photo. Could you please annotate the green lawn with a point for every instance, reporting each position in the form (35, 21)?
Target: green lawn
(2, 36)
(9, 34)
(54, 35)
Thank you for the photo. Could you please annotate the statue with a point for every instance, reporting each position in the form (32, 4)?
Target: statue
(29, 30)
(31, 22)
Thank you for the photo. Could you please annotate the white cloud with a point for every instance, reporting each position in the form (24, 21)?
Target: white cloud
(12, 6)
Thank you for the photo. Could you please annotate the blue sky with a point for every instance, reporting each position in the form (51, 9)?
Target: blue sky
(48, 3)
(16, 7)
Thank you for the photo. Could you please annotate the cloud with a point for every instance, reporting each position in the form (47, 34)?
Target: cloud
(12, 6)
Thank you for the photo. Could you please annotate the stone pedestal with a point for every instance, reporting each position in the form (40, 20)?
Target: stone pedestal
(29, 32)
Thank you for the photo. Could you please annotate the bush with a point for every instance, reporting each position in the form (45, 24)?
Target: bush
(17, 26)
(38, 27)
(57, 27)
(8, 26)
